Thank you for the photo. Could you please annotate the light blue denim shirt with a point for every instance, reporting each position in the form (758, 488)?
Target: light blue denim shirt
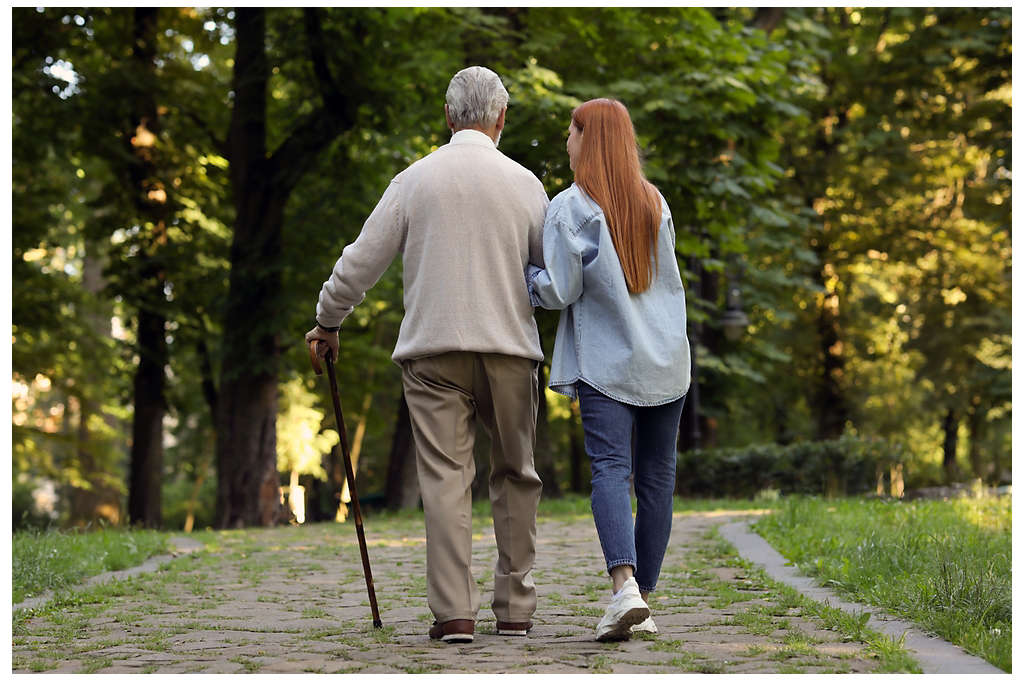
(631, 347)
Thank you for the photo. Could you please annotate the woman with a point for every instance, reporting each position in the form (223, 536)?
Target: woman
(621, 348)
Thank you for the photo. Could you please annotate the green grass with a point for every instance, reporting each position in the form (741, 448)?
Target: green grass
(716, 551)
(945, 565)
(53, 560)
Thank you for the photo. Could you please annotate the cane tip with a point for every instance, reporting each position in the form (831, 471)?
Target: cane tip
(378, 625)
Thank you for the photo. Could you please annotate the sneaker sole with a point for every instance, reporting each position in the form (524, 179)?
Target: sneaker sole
(623, 629)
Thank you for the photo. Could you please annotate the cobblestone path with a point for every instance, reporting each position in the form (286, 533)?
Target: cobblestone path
(292, 600)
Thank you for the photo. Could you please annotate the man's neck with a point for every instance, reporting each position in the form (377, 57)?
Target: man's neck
(493, 133)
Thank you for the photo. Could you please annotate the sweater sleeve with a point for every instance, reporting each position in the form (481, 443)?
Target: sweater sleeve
(363, 261)
(536, 236)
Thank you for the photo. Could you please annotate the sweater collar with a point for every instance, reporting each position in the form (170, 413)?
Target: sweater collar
(470, 136)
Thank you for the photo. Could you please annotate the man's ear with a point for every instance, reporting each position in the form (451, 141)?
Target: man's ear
(447, 117)
(500, 124)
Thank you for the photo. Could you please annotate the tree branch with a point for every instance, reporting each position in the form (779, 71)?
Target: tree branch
(206, 370)
(219, 144)
(293, 158)
(297, 153)
(329, 90)
(247, 139)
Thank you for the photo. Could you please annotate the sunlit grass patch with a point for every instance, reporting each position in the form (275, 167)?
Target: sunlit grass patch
(945, 565)
(53, 560)
(781, 599)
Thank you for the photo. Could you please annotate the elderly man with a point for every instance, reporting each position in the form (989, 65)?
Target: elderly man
(466, 219)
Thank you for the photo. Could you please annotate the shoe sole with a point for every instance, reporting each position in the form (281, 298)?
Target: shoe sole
(638, 630)
(623, 629)
(513, 633)
(456, 639)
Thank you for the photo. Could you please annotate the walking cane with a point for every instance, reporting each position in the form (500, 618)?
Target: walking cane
(349, 474)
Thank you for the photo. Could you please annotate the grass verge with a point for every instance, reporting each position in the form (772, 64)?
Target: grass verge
(945, 565)
(786, 601)
(53, 560)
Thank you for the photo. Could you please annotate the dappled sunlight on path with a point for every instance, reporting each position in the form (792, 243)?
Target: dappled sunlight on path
(293, 600)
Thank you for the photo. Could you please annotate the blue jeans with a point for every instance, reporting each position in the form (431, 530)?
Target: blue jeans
(608, 428)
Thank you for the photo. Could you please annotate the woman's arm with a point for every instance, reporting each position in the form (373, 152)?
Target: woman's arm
(560, 283)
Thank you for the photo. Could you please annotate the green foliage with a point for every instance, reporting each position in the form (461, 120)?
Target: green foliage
(180, 498)
(861, 154)
(300, 442)
(944, 564)
(903, 173)
(847, 465)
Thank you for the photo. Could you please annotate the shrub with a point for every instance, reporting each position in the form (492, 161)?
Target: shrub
(845, 466)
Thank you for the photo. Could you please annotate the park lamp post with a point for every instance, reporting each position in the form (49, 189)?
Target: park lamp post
(733, 320)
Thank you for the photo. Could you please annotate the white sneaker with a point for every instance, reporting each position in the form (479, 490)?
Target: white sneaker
(626, 610)
(646, 626)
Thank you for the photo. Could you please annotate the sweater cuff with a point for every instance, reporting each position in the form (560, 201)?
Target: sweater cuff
(327, 319)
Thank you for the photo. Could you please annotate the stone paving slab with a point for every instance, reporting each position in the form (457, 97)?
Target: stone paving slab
(293, 601)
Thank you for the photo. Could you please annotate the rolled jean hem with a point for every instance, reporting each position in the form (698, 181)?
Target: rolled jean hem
(621, 562)
(645, 589)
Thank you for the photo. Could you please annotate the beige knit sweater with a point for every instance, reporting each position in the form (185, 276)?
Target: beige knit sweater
(466, 219)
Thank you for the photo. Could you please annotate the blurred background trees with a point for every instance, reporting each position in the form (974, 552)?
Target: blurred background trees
(184, 179)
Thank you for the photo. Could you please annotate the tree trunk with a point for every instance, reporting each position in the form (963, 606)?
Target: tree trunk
(341, 512)
(950, 426)
(147, 451)
(831, 406)
(767, 18)
(689, 424)
(829, 401)
(403, 488)
(247, 479)
(357, 448)
(151, 203)
(100, 500)
(783, 435)
(543, 455)
(976, 433)
(711, 339)
(193, 500)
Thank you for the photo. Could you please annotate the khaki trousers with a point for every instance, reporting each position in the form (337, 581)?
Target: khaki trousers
(446, 393)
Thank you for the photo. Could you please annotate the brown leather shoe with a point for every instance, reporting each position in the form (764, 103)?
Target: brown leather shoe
(514, 629)
(453, 631)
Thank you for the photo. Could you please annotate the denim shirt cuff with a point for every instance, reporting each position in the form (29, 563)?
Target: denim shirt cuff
(532, 271)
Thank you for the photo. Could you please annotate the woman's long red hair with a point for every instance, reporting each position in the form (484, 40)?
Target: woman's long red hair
(608, 169)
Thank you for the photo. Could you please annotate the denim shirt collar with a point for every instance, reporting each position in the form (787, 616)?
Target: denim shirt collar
(471, 136)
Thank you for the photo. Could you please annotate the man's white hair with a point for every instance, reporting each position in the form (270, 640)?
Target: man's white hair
(475, 98)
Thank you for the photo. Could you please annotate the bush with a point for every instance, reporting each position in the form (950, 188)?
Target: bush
(844, 466)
